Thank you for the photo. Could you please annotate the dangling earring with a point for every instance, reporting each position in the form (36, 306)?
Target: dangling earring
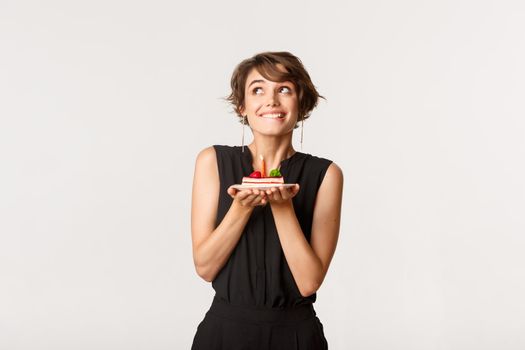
(302, 127)
(243, 123)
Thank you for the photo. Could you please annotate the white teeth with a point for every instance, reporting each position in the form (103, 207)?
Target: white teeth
(273, 115)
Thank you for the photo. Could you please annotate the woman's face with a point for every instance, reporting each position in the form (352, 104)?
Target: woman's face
(272, 107)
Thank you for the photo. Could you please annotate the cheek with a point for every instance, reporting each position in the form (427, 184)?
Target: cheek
(252, 104)
(291, 105)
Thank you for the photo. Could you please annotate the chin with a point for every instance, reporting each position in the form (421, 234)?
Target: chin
(273, 133)
(273, 128)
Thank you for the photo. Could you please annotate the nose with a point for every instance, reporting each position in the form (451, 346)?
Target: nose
(272, 99)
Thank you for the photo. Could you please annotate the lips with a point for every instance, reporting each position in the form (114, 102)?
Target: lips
(273, 114)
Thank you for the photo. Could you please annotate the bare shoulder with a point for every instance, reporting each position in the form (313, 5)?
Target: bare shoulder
(206, 157)
(206, 164)
(329, 195)
(335, 170)
(334, 177)
(206, 175)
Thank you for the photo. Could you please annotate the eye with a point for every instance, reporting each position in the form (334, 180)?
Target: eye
(254, 90)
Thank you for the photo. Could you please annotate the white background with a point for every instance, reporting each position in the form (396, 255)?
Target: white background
(104, 106)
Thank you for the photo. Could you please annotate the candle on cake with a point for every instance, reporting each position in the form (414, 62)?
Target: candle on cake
(258, 179)
(263, 172)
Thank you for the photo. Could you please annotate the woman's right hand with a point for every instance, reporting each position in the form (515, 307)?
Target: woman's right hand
(248, 198)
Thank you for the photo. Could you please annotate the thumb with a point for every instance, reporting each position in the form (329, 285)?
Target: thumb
(231, 191)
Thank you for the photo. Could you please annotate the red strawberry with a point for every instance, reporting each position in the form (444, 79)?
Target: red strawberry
(256, 174)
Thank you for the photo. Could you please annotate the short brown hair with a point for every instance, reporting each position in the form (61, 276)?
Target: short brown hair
(266, 65)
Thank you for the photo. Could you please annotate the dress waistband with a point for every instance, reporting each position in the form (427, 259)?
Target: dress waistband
(225, 310)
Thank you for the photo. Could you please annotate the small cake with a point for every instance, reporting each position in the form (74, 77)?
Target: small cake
(256, 179)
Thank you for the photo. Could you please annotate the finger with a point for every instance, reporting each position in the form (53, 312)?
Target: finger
(259, 199)
(285, 193)
(288, 192)
(293, 189)
(276, 194)
(232, 191)
(248, 200)
(244, 194)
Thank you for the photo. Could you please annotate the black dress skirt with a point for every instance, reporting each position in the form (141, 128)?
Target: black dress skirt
(257, 304)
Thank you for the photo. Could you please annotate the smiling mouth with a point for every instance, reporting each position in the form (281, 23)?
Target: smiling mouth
(272, 115)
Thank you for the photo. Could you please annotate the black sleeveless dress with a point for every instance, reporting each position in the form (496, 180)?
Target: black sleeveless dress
(256, 281)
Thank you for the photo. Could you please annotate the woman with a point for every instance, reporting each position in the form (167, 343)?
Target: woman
(266, 252)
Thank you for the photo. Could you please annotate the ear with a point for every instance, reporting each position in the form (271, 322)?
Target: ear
(241, 110)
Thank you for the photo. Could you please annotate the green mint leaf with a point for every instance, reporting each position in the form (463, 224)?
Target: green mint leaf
(275, 173)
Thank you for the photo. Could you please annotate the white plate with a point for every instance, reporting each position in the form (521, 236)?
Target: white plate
(261, 186)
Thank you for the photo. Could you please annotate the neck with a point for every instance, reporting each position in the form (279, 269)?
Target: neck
(273, 149)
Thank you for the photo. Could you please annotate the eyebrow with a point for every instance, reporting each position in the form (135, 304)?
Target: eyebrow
(256, 81)
(262, 81)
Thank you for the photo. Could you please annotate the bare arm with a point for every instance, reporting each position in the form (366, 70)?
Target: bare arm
(309, 262)
(213, 246)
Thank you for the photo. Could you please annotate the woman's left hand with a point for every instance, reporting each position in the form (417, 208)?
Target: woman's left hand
(278, 195)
